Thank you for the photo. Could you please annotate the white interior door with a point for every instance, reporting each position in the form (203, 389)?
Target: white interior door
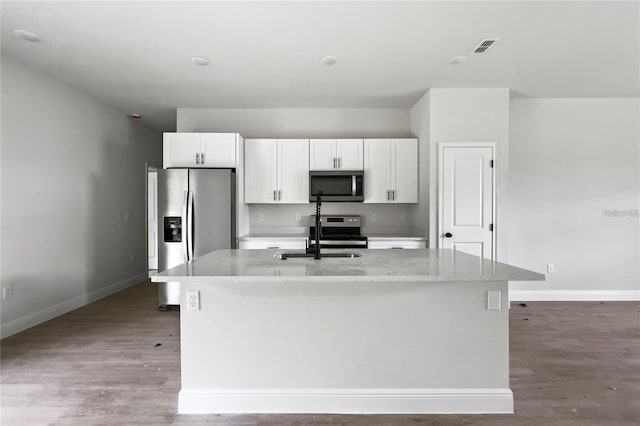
(152, 218)
(467, 199)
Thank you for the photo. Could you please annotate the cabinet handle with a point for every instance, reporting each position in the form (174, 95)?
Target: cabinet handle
(339, 162)
(334, 162)
(279, 195)
(388, 195)
(393, 194)
(273, 248)
(197, 158)
(274, 195)
(202, 157)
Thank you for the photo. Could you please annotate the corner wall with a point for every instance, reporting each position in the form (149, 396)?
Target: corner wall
(462, 115)
(73, 197)
(574, 197)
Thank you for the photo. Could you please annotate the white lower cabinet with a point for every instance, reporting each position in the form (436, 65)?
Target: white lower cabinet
(268, 243)
(396, 244)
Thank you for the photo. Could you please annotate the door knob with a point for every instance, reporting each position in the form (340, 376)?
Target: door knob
(448, 235)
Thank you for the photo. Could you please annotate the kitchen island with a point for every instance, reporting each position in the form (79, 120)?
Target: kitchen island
(392, 331)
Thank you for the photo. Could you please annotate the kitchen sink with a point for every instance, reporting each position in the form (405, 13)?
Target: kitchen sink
(285, 256)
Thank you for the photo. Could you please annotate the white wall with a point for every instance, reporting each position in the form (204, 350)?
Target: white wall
(298, 122)
(571, 161)
(310, 123)
(420, 116)
(71, 168)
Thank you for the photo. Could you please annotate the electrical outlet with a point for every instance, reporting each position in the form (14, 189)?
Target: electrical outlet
(551, 267)
(298, 216)
(7, 291)
(374, 217)
(260, 217)
(403, 217)
(493, 300)
(193, 300)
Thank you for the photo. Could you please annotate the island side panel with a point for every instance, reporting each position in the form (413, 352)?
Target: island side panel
(345, 347)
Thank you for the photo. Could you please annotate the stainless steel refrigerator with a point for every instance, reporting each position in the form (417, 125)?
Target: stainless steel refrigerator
(196, 215)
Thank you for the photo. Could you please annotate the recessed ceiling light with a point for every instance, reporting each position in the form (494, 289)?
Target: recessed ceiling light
(456, 60)
(28, 36)
(135, 116)
(202, 61)
(328, 60)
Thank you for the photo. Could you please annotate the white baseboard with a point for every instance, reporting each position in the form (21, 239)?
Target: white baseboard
(346, 401)
(573, 295)
(51, 312)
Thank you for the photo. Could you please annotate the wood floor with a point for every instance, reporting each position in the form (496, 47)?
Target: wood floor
(117, 362)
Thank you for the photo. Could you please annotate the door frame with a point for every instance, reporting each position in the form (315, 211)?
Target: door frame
(148, 167)
(494, 207)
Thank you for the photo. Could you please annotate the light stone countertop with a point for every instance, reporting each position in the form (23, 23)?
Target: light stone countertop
(381, 236)
(374, 265)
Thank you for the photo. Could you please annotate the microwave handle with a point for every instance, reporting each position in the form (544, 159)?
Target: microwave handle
(353, 185)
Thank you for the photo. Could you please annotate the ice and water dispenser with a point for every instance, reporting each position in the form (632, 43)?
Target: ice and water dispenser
(172, 229)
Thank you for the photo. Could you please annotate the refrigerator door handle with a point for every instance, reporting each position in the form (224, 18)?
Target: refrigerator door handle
(185, 226)
(190, 244)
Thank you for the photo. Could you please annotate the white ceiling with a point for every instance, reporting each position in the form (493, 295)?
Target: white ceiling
(136, 56)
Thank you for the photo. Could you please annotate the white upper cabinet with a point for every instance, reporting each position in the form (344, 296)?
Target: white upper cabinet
(391, 170)
(218, 149)
(276, 171)
(335, 154)
(199, 150)
(260, 170)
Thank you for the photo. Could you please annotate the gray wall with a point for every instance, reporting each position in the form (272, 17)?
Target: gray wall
(72, 167)
(573, 162)
(310, 123)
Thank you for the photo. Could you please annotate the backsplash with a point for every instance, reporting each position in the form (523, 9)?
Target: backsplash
(388, 217)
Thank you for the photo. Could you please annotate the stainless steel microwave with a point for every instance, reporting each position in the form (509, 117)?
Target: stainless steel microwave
(337, 186)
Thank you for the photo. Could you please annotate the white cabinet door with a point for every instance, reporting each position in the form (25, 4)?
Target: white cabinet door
(180, 149)
(404, 170)
(377, 170)
(349, 153)
(293, 171)
(218, 150)
(396, 244)
(322, 154)
(273, 244)
(391, 170)
(260, 156)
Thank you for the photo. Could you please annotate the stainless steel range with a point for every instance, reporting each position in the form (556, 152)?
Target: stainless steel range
(337, 232)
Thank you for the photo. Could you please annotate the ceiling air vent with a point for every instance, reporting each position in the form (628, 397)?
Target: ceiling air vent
(485, 44)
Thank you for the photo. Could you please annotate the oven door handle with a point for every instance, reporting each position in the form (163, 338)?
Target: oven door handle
(353, 185)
